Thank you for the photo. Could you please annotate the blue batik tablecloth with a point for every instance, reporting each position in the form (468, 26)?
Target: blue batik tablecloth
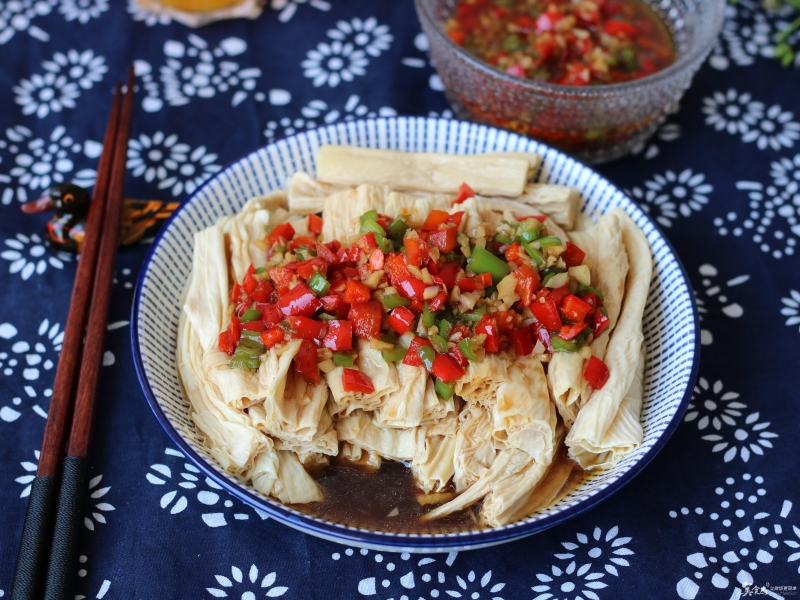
(714, 515)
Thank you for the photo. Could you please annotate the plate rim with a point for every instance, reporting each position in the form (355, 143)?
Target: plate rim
(430, 542)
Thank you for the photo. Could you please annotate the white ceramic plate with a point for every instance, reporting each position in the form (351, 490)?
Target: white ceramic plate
(670, 320)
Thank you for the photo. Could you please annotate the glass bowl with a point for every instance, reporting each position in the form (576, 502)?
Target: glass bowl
(595, 124)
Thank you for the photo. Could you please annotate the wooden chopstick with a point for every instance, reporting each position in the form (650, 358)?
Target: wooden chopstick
(36, 532)
(34, 547)
(69, 515)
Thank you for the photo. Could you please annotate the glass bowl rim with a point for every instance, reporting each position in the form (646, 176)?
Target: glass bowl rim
(577, 91)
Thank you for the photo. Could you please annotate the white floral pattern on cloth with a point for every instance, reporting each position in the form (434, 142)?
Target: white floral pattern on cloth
(33, 360)
(716, 291)
(748, 33)
(346, 56)
(429, 580)
(736, 431)
(422, 44)
(739, 114)
(671, 195)
(188, 483)
(319, 112)
(30, 254)
(30, 163)
(585, 565)
(57, 88)
(30, 468)
(791, 308)
(147, 17)
(17, 16)
(668, 132)
(247, 587)
(96, 509)
(773, 221)
(740, 539)
(402, 572)
(82, 11)
(287, 8)
(82, 572)
(194, 69)
(172, 165)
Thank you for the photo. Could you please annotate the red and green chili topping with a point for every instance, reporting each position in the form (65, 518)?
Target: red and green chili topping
(429, 296)
(568, 42)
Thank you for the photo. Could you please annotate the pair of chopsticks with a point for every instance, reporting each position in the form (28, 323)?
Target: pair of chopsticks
(48, 553)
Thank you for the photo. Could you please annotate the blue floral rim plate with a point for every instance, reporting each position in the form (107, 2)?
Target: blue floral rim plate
(671, 323)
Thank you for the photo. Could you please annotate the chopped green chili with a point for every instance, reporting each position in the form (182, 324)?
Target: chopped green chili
(428, 317)
(549, 241)
(483, 261)
(398, 227)
(319, 284)
(573, 345)
(427, 355)
(466, 350)
(244, 362)
(439, 343)
(534, 254)
(392, 301)
(396, 354)
(502, 238)
(250, 315)
(475, 315)
(445, 390)
(341, 359)
(445, 327)
(551, 272)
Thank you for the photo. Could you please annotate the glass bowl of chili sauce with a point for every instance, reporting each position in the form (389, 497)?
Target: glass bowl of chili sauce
(594, 78)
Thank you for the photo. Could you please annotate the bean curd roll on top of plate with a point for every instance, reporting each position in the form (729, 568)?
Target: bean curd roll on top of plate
(442, 311)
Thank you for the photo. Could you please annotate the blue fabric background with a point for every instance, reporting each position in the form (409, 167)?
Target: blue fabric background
(699, 522)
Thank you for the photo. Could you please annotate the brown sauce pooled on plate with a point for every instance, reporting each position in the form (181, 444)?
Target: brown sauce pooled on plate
(364, 499)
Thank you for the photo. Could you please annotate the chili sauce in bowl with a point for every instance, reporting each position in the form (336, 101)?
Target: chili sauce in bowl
(589, 42)
(594, 78)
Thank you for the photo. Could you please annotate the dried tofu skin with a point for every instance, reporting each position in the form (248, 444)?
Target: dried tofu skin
(207, 293)
(607, 259)
(227, 432)
(294, 485)
(367, 459)
(508, 463)
(404, 407)
(474, 451)
(341, 210)
(510, 499)
(427, 172)
(384, 380)
(293, 408)
(564, 379)
(496, 437)
(360, 429)
(480, 384)
(237, 387)
(523, 416)
(608, 263)
(433, 462)
(264, 472)
(586, 438)
(434, 409)
(416, 207)
(324, 442)
(306, 195)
